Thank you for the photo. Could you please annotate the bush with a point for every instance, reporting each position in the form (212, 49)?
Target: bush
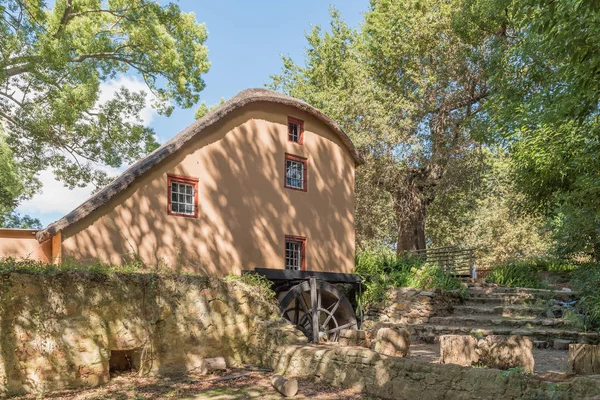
(382, 270)
(9, 265)
(586, 281)
(525, 273)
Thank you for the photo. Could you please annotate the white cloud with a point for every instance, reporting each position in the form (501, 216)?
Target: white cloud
(109, 88)
(54, 197)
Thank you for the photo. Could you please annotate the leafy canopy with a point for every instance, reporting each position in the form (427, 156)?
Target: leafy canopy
(53, 59)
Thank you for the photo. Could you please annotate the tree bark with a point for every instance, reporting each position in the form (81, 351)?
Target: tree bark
(411, 213)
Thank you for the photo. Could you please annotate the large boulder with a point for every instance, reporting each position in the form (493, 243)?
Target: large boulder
(458, 349)
(504, 352)
(584, 359)
(392, 342)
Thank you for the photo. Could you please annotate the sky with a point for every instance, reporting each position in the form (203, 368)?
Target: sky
(245, 42)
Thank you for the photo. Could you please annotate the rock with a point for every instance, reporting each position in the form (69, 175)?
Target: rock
(550, 314)
(566, 289)
(504, 352)
(584, 359)
(212, 365)
(287, 387)
(541, 344)
(427, 294)
(353, 337)
(561, 344)
(458, 349)
(392, 342)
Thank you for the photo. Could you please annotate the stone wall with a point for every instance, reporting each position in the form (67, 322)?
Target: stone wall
(408, 379)
(412, 306)
(58, 331)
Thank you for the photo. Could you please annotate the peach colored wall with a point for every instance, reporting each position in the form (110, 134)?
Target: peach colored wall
(244, 210)
(21, 243)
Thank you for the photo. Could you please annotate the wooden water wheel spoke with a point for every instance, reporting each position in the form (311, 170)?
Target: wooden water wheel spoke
(318, 309)
(339, 328)
(332, 311)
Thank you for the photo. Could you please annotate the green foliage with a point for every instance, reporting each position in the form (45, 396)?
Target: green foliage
(54, 58)
(16, 184)
(259, 282)
(382, 270)
(586, 281)
(404, 96)
(525, 273)
(544, 69)
(11, 265)
(486, 217)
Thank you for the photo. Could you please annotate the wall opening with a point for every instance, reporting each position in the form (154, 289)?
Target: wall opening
(124, 361)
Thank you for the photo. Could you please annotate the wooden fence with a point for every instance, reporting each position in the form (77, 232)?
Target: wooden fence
(452, 259)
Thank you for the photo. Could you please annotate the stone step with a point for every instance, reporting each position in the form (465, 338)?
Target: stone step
(503, 310)
(499, 300)
(542, 293)
(487, 320)
(428, 332)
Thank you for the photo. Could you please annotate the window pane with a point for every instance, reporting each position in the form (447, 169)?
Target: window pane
(189, 189)
(173, 196)
(175, 207)
(189, 209)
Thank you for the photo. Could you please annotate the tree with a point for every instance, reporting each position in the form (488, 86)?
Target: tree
(52, 61)
(16, 184)
(544, 106)
(404, 87)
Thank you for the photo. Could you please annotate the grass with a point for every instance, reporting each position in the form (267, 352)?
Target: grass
(526, 273)
(383, 270)
(11, 265)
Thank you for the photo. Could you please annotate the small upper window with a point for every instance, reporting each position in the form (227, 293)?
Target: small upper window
(295, 130)
(183, 196)
(295, 252)
(296, 172)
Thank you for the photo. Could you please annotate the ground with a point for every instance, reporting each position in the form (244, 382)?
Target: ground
(242, 384)
(549, 363)
(248, 384)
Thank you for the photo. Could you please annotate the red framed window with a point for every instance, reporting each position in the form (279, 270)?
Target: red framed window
(183, 196)
(295, 253)
(296, 172)
(295, 130)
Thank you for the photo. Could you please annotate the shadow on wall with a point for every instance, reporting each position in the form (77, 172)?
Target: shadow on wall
(58, 331)
(244, 210)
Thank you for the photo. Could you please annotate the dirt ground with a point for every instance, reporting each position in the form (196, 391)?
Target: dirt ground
(247, 385)
(242, 384)
(547, 361)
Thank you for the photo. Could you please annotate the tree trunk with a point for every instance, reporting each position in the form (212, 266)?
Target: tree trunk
(410, 214)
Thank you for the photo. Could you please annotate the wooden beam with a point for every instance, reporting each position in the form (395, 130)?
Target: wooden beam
(57, 248)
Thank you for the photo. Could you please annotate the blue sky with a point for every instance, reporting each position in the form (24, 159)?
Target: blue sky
(246, 40)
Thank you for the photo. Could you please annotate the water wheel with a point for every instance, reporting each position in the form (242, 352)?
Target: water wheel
(319, 309)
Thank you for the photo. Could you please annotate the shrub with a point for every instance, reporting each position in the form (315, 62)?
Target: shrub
(261, 283)
(382, 270)
(525, 273)
(9, 265)
(586, 281)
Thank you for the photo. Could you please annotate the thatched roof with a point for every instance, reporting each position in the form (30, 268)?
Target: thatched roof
(145, 164)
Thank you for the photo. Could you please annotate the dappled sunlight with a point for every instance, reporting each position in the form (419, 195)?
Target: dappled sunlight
(244, 210)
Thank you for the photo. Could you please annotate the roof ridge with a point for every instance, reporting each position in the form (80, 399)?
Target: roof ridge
(143, 165)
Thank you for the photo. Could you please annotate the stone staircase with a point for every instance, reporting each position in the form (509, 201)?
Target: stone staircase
(493, 310)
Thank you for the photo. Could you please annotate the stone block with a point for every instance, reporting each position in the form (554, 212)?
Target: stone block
(504, 352)
(458, 349)
(561, 344)
(392, 342)
(353, 337)
(584, 359)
